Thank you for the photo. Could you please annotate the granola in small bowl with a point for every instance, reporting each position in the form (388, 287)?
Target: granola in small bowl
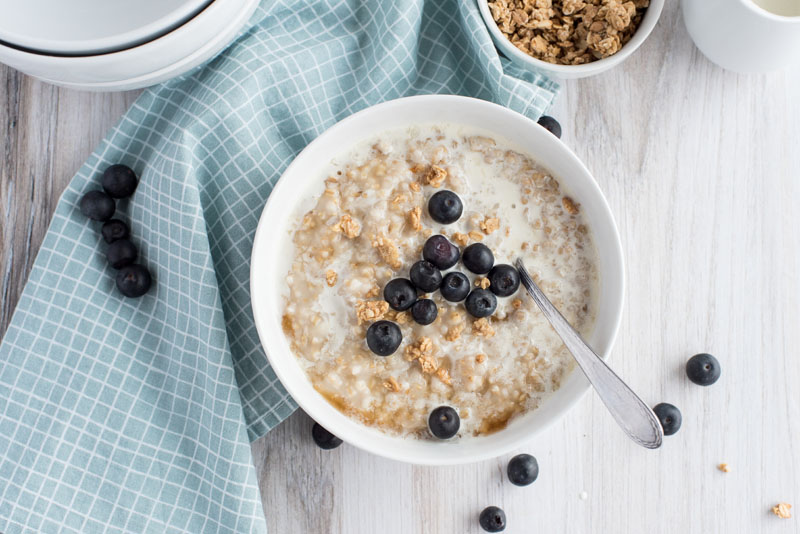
(569, 38)
(568, 32)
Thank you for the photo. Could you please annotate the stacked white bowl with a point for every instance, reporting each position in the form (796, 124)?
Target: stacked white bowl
(115, 45)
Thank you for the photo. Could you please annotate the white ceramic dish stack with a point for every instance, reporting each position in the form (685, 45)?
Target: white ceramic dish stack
(108, 45)
(303, 180)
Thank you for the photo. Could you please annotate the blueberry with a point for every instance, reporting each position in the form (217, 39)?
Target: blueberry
(703, 369)
(455, 286)
(444, 422)
(324, 439)
(424, 311)
(98, 206)
(523, 469)
(383, 337)
(669, 416)
(400, 294)
(493, 519)
(445, 207)
(481, 303)
(119, 181)
(115, 229)
(478, 258)
(425, 276)
(551, 125)
(440, 252)
(504, 280)
(121, 253)
(133, 280)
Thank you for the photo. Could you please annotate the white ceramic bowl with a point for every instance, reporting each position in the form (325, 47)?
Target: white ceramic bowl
(523, 60)
(303, 180)
(147, 64)
(88, 27)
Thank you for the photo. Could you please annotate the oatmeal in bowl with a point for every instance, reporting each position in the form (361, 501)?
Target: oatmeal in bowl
(382, 284)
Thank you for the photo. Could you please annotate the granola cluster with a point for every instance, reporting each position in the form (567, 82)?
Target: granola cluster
(568, 32)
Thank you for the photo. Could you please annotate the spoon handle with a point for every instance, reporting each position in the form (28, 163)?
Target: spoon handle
(631, 413)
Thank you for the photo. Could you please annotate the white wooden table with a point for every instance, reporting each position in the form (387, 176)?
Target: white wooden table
(702, 169)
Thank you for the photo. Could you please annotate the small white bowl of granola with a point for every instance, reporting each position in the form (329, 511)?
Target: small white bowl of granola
(569, 38)
(353, 212)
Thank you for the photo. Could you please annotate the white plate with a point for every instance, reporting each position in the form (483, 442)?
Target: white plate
(163, 58)
(86, 27)
(303, 179)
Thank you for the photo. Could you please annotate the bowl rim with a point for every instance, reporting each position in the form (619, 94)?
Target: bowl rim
(130, 38)
(283, 364)
(162, 58)
(646, 26)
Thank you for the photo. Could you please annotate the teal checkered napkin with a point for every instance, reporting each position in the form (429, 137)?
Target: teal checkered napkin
(133, 415)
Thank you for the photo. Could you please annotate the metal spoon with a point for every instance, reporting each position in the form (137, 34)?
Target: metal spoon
(630, 412)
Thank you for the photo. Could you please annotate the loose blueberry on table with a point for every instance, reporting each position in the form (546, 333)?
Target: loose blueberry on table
(669, 416)
(97, 206)
(383, 337)
(523, 469)
(481, 303)
(425, 276)
(400, 294)
(478, 258)
(115, 229)
(455, 286)
(119, 181)
(504, 280)
(324, 439)
(493, 519)
(445, 207)
(703, 369)
(440, 252)
(121, 253)
(444, 422)
(133, 280)
(424, 311)
(550, 124)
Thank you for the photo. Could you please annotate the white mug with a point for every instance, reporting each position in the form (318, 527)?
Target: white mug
(745, 35)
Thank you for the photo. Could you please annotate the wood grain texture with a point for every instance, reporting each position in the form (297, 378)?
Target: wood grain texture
(46, 134)
(702, 170)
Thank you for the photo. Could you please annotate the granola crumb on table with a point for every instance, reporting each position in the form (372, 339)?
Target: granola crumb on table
(568, 32)
(782, 510)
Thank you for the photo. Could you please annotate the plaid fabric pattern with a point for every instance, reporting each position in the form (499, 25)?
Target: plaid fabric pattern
(135, 415)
